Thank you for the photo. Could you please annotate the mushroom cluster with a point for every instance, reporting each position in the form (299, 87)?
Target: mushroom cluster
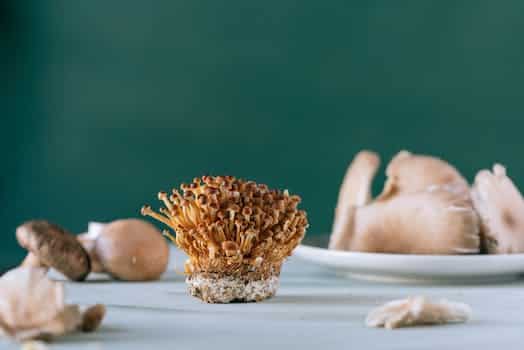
(236, 233)
(427, 207)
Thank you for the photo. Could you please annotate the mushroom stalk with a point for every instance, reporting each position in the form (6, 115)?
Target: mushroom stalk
(354, 192)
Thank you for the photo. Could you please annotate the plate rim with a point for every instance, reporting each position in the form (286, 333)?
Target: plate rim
(343, 253)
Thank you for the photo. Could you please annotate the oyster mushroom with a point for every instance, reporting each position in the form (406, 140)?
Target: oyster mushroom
(415, 311)
(427, 222)
(435, 219)
(50, 245)
(236, 233)
(501, 208)
(408, 173)
(32, 306)
(354, 192)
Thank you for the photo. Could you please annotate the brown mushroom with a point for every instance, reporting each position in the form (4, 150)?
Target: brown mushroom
(131, 250)
(52, 246)
(501, 208)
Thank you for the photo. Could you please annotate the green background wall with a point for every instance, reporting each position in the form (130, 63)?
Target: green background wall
(107, 102)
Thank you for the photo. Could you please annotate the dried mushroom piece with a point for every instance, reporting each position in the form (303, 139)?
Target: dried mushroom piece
(53, 246)
(415, 311)
(501, 208)
(410, 173)
(32, 306)
(236, 233)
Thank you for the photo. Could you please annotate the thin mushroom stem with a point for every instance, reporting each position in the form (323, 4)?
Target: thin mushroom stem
(147, 211)
(32, 260)
(163, 197)
(168, 234)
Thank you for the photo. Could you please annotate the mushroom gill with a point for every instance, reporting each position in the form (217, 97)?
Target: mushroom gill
(501, 208)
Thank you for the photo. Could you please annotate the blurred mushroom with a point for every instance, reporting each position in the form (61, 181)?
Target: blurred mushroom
(50, 245)
(428, 222)
(409, 173)
(501, 208)
(354, 192)
(127, 249)
(32, 306)
(92, 318)
(425, 216)
(416, 311)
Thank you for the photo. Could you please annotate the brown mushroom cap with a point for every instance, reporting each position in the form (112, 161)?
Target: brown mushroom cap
(55, 247)
(501, 208)
(132, 250)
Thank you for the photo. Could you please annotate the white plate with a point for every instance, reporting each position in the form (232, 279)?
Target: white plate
(418, 268)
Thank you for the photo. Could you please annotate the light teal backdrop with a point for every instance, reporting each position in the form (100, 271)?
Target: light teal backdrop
(108, 102)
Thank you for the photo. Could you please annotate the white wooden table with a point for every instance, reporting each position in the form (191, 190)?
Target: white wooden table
(314, 309)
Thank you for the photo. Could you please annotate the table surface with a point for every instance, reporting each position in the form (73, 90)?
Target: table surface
(313, 309)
